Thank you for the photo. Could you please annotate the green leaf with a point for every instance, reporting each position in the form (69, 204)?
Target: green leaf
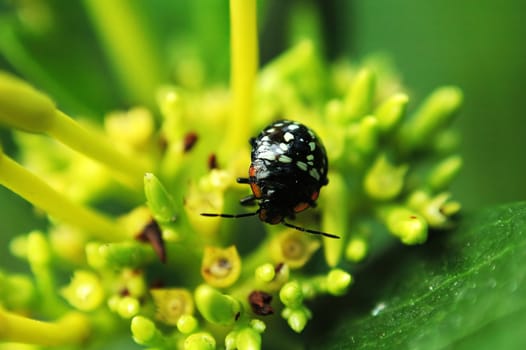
(464, 289)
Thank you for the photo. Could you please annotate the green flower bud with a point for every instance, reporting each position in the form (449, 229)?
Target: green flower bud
(94, 255)
(356, 249)
(384, 181)
(405, 224)
(338, 281)
(258, 325)
(282, 274)
(359, 99)
(158, 199)
(298, 319)
(366, 139)
(126, 254)
(444, 172)
(221, 267)
(85, 292)
(187, 324)
(37, 249)
(113, 303)
(128, 307)
(145, 333)
(23, 107)
(230, 340)
(216, 307)
(265, 273)
(391, 111)
(248, 339)
(200, 341)
(433, 114)
(17, 291)
(291, 294)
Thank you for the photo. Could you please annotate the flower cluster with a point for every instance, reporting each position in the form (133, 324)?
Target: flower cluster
(180, 280)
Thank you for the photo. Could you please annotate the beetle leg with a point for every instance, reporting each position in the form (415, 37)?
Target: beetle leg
(248, 200)
(243, 180)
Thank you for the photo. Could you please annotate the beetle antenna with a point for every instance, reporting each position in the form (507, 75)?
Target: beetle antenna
(230, 216)
(303, 229)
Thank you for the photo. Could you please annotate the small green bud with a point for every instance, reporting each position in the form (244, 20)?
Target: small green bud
(405, 224)
(187, 324)
(291, 294)
(359, 99)
(37, 249)
(356, 249)
(444, 172)
(248, 339)
(338, 281)
(128, 307)
(298, 319)
(366, 140)
(17, 291)
(23, 107)
(434, 113)
(145, 333)
(85, 292)
(158, 199)
(113, 303)
(126, 254)
(200, 341)
(391, 111)
(216, 307)
(230, 340)
(258, 325)
(94, 256)
(265, 273)
(384, 181)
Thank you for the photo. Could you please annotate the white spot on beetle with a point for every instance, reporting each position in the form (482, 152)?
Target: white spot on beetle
(312, 145)
(302, 165)
(267, 155)
(284, 159)
(315, 174)
(293, 127)
(310, 157)
(283, 146)
(288, 136)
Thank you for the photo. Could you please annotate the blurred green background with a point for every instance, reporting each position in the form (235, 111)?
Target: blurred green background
(477, 45)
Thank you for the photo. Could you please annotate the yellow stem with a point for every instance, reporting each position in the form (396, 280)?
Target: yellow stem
(94, 145)
(71, 329)
(23, 107)
(33, 189)
(244, 64)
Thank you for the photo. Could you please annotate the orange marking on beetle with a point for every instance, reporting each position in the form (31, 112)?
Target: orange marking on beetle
(301, 207)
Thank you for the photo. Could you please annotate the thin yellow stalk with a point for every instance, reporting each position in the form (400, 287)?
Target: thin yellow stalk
(23, 107)
(88, 142)
(32, 188)
(71, 329)
(244, 65)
